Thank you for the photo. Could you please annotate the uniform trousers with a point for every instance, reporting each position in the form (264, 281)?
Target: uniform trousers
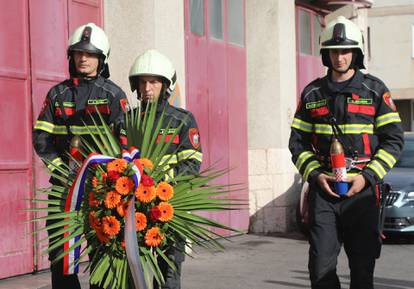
(172, 278)
(351, 222)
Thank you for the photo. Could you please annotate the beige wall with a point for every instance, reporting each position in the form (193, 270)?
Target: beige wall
(271, 91)
(136, 25)
(391, 48)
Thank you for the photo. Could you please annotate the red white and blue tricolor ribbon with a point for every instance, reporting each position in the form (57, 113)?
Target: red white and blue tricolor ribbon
(74, 200)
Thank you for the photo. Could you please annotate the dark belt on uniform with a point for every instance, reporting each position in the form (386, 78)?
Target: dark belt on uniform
(350, 163)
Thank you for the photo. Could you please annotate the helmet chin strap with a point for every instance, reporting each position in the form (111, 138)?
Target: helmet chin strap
(164, 94)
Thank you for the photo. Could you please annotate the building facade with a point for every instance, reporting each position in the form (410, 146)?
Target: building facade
(391, 52)
(240, 68)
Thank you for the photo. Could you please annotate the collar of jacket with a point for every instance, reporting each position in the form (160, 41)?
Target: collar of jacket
(355, 83)
(162, 103)
(76, 81)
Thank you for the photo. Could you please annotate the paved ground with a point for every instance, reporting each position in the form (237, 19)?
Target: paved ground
(263, 262)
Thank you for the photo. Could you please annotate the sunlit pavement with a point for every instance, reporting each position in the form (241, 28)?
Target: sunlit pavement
(261, 262)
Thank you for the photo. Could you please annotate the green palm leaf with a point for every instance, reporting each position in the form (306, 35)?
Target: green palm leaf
(192, 193)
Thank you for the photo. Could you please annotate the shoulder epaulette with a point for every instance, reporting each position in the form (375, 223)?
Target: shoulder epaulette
(373, 78)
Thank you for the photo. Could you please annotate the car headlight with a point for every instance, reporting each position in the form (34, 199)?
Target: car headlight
(408, 197)
(405, 198)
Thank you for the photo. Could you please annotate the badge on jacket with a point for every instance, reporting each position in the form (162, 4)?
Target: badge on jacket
(388, 100)
(194, 137)
(318, 108)
(124, 103)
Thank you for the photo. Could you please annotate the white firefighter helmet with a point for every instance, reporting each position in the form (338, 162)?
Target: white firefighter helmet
(342, 33)
(153, 63)
(89, 38)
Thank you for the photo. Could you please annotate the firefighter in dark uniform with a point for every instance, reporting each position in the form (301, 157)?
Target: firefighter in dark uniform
(153, 76)
(67, 107)
(358, 110)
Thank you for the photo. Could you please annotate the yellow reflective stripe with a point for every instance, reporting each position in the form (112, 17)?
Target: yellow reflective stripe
(61, 129)
(77, 129)
(357, 128)
(50, 127)
(302, 158)
(302, 125)
(309, 168)
(169, 159)
(386, 157)
(321, 128)
(169, 175)
(190, 154)
(44, 125)
(387, 118)
(377, 168)
(55, 163)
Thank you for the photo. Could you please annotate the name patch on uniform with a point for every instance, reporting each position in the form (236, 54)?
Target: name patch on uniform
(68, 107)
(316, 104)
(360, 105)
(320, 111)
(176, 139)
(104, 109)
(65, 104)
(97, 101)
(169, 131)
(359, 101)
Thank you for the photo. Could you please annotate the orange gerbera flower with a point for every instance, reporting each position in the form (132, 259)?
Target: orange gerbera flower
(102, 237)
(139, 166)
(165, 191)
(167, 212)
(124, 185)
(94, 221)
(146, 163)
(145, 194)
(92, 201)
(140, 221)
(153, 237)
(112, 199)
(110, 226)
(95, 182)
(117, 165)
(121, 208)
(91, 216)
(104, 176)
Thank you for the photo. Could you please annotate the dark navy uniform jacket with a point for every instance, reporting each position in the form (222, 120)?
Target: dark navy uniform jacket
(184, 156)
(68, 106)
(364, 112)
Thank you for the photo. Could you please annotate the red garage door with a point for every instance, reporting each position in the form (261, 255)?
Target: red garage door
(33, 38)
(16, 246)
(216, 89)
(309, 62)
